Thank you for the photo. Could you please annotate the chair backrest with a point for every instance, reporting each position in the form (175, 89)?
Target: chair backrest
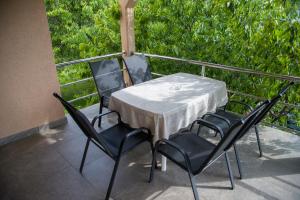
(235, 132)
(108, 76)
(138, 68)
(272, 103)
(83, 123)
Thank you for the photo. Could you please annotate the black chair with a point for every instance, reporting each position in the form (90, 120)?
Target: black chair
(138, 68)
(194, 153)
(108, 78)
(226, 118)
(114, 141)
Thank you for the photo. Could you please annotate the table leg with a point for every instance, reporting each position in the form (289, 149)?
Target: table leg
(163, 163)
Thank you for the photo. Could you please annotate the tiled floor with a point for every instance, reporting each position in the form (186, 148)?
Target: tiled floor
(45, 166)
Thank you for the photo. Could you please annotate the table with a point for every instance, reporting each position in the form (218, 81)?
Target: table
(167, 104)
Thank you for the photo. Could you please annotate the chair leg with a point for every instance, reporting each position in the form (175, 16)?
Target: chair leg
(229, 171)
(258, 141)
(153, 163)
(238, 161)
(84, 154)
(195, 192)
(112, 179)
(100, 112)
(153, 150)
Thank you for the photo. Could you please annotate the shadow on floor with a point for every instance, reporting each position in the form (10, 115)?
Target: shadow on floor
(46, 166)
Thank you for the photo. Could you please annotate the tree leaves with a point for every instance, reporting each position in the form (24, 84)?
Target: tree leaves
(259, 35)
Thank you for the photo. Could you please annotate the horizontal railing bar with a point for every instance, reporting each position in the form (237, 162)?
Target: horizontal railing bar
(247, 95)
(86, 96)
(83, 97)
(81, 80)
(262, 98)
(75, 82)
(225, 67)
(157, 74)
(108, 73)
(64, 64)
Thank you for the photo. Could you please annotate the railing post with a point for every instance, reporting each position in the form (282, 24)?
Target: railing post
(203, 71)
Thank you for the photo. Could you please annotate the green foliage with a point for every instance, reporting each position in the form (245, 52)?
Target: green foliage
(81, 29)
(258, 35)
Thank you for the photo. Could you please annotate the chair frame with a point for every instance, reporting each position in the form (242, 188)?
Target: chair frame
(250, 108)
(127, 68)
(118, 158)
(102, 145)
(242, 125)
(188, 163)
(222, 135)
(259, 118)
(102, 97)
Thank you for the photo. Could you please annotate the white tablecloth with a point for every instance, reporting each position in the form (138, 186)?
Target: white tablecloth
(167, 104)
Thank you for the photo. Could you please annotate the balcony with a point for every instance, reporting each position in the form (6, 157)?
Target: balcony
(45, 166)
(54, 154)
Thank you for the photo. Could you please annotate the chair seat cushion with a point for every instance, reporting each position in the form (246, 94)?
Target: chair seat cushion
(197, 148)
(115, 134)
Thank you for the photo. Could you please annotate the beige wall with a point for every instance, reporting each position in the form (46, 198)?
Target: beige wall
(27, 70)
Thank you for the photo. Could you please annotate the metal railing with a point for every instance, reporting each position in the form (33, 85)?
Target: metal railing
(85, 60)
(201, 64)
(224, 67)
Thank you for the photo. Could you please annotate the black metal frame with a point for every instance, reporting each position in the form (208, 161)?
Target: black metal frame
(89, 131)
(236, 131)
(103, 97)
(273, 102)
(222, 135)
(128, 68)
(101, 105)
(265, 105)
(259, 118)
(118, 158)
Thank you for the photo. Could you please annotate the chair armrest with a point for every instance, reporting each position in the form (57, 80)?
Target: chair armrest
(239, 102)
(185, 130)
(131, 134)
(100, 115)
(208, 125)
(177, 148)
(217, 116)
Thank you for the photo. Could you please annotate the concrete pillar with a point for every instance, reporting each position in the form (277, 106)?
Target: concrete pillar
(27, 70)
(127, 30)
(127, 26)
